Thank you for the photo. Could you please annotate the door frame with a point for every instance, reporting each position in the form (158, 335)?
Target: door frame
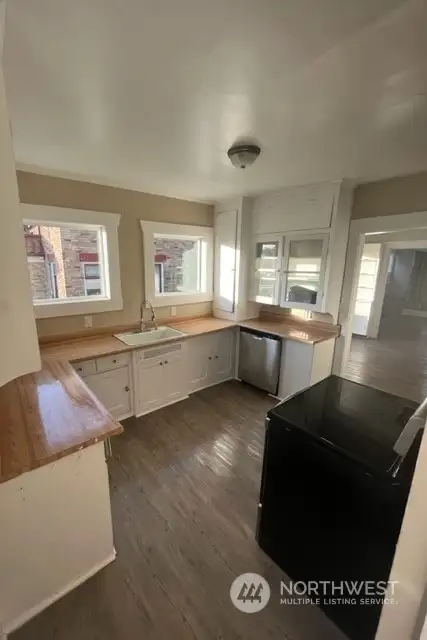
(358, 229)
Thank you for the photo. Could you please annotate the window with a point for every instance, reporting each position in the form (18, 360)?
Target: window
(178, 263)
(72, 260)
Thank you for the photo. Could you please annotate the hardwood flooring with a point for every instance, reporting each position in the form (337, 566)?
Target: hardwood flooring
(396, 362)
(184, 490)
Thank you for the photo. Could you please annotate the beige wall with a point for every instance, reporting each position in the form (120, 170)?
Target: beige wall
(134, 206)
(391, 197)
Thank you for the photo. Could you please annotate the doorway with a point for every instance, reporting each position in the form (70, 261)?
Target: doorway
(389, 327)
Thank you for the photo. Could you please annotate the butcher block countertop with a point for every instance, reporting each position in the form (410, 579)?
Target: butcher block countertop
(50, 414)
(88, 348)
(301, 332)
(47, 415)
(95, 347)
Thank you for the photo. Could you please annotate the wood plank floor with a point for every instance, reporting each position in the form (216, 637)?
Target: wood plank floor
(396, 362)
(185, 485)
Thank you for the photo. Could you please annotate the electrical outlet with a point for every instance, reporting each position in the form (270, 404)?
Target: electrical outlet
(173, 311)
(88, 322)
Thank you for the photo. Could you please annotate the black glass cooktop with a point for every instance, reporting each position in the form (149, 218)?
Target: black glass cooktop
(361, 422)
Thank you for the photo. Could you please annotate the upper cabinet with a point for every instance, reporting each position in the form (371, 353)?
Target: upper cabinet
(298, 248)
(225, 259)
(304, 268)
(19, 351)
(290, 270)
(233, 256)
(267, 259)
(295, 209)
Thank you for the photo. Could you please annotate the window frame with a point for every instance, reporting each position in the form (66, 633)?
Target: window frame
(183, 231)
(109, 250)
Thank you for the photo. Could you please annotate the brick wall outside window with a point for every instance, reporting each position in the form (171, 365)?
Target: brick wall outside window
(62, 247)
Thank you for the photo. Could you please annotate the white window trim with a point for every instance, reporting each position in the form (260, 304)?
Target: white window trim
(149, 229)
(113, 301)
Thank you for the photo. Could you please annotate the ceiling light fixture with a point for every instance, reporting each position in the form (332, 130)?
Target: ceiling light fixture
(243, 155)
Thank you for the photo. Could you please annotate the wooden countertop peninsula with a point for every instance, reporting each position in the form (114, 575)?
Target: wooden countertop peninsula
(47, 415)
(50, 414)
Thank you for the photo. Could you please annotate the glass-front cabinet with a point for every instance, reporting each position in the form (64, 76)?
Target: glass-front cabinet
(267, 269)
(304, 268)
(290, 270)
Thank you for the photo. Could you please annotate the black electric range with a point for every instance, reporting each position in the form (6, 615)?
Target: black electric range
(332, 502)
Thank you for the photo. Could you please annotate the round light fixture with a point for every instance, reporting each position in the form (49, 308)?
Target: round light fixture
(243, 155)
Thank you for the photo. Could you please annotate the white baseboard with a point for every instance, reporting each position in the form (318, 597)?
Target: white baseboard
(31, 613)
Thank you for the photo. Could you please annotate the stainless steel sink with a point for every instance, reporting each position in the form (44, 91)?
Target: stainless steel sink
(148, 337)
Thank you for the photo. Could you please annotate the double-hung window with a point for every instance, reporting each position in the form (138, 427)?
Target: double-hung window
(178, 262)
(73, 260)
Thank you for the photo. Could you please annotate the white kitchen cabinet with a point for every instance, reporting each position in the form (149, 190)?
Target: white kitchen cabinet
(211, 359)
(160, 376)
(199, 353)
(113, 389)
(294, 209)
(267, 260)
(225, 260)
(150, 391)
(19, 349)
(221, 364)
(233, 255)
(290, 270)
(303, 365)
(304, 268)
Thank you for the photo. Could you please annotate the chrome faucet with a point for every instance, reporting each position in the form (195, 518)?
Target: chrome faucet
(152, 324)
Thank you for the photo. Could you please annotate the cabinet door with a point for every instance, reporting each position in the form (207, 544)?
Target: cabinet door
(225, 260)
(222, 356)
(295, 367)
(112, 388)
(304, 271)
(174, 378)
(265, 285)
(150, 392)
(294, 209)
(199, 358)
(19, 349)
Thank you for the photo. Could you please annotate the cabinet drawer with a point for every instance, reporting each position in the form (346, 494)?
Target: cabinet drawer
(86, 368)
(112, 362)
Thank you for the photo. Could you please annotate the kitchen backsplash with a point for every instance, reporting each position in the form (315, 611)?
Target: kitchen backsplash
(299, 313)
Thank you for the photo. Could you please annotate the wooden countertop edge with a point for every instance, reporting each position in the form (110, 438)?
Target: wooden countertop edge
(111, 428)
(59, 455)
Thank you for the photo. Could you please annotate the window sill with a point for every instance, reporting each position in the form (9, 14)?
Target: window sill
(73, 308)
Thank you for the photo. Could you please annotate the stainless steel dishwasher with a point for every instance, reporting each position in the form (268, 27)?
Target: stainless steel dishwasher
(259, 359)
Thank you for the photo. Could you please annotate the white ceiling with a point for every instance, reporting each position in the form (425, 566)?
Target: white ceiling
(149, 94)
